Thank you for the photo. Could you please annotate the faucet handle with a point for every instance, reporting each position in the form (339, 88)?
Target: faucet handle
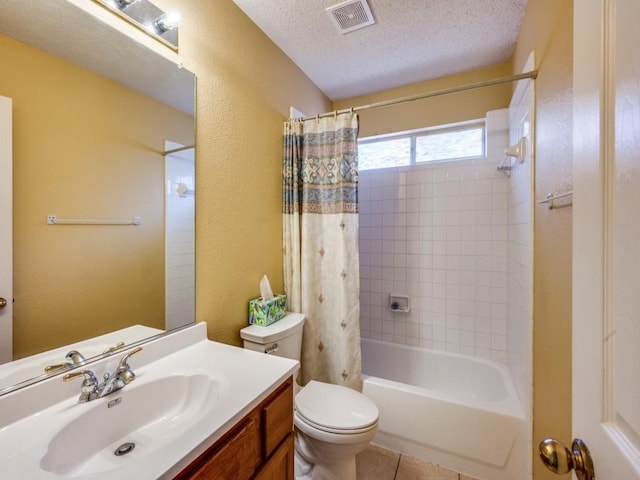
(57, 368)
(89, 389)
(125, 374)
(115, 347)
(89, 378)
(125, 358)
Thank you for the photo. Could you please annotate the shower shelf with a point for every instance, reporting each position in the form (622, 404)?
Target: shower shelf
(399, 303)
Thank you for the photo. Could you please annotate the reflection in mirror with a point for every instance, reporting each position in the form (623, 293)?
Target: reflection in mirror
(93, 114)
(62, 359)
(180, 240)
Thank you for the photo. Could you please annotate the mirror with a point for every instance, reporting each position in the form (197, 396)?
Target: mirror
(94, 112)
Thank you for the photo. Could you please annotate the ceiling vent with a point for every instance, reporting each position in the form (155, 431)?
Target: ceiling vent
(351, 15)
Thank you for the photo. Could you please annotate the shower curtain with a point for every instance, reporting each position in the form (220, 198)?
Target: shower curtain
(320, 232)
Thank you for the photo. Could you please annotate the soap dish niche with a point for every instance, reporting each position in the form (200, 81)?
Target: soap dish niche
(399, 303)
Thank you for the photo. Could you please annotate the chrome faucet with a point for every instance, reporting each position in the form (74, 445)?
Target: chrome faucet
(76, 358)
(92, 388)
(89, 389)
(73, 359)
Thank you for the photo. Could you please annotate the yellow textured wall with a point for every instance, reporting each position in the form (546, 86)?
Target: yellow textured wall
(548, 28)
(84, 147)
(440, 110)
(245, 86)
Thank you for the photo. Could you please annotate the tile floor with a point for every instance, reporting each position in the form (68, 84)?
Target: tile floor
(377, 463)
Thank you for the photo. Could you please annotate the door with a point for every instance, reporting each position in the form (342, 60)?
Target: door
(606, 237)
(6, 236)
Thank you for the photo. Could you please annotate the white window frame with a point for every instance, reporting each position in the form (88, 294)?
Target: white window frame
(421, 132)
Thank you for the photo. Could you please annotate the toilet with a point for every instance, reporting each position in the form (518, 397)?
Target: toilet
(332, 423)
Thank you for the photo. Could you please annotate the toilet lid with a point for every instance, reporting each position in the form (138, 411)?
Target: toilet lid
(335, 407)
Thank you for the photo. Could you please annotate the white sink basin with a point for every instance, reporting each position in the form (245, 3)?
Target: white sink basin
(147, 416)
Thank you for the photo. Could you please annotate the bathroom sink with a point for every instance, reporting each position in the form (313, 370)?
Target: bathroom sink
(133, 422)
(187, 393)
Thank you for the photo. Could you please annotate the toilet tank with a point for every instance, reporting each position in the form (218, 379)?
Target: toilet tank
(282, 338)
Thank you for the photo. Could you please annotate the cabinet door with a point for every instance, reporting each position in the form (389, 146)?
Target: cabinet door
(277, 418)
(236, 459)
(280, 465)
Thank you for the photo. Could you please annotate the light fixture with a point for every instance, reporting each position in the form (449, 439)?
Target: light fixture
(166, 22)
(143, 14)
(122, 4)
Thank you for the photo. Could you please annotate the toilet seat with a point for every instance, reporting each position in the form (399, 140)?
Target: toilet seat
(335, 409)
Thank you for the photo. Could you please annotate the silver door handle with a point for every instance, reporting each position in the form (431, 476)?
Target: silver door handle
(559, 459)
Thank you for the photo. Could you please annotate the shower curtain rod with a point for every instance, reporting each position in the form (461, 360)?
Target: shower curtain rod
(487, 83)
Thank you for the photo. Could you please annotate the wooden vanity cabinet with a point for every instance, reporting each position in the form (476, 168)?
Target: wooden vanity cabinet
(258, 447)
(280, 465)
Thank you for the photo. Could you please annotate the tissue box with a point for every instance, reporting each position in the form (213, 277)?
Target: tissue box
(268, 312)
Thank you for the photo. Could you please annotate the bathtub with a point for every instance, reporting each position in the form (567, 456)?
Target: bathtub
(457, 411)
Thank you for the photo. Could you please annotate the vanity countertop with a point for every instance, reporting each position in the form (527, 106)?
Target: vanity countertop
(201, 390)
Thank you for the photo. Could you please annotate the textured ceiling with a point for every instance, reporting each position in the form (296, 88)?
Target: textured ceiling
(412, 40)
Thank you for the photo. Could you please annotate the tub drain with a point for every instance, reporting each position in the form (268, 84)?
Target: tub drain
(124, 449)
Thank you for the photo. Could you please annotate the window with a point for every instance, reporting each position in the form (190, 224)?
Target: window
(394, 152)
(450, 142)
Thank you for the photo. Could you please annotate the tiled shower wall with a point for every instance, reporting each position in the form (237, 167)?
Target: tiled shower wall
(180, 240)
(439, 234)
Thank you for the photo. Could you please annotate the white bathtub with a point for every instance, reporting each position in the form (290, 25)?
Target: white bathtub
(457, 411)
